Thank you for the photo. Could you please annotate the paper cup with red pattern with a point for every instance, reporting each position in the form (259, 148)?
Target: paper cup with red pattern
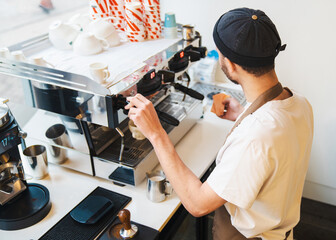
(117, 7)
(119, 24)
(117, 10)
(117, 2)
(153, 14)
(134, 18)
(151, 8)
(105, 16)
(153, 34)
(132, 3)
(151, 2)
(134, 10)
(98, 7)
(134, 25)
(135, 32)
(152, 19)
(136, 37)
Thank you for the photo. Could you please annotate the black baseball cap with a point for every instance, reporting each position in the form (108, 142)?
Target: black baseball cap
(247, 37)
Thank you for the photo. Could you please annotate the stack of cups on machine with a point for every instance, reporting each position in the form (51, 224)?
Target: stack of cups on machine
(152, 18)
(135, 27)
(117, 12)
(99, 9)
(139, 19)
(170, 27)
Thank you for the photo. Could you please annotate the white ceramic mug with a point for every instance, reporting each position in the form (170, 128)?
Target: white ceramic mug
(99, 72)
(18, 56)
(5, 53)
(62, 35)
(80, 19)
(102, 28)
(113, 39)
(41, 62)
(88, 44)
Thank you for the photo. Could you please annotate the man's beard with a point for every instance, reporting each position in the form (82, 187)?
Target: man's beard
(228, 75)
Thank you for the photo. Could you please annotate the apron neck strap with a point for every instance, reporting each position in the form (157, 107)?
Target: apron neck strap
(265, 97)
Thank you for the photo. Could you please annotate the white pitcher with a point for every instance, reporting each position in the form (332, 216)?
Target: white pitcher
(62, 35)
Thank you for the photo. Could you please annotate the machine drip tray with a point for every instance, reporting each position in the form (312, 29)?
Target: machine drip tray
(28, 208)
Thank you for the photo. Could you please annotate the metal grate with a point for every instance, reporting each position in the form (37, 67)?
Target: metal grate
(208, 90)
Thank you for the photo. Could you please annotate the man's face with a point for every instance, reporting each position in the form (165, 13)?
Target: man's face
(225, 70)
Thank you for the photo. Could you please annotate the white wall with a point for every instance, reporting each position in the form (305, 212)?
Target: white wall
(308, 66)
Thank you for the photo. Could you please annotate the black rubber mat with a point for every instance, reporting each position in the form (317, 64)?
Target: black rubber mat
(69, 229)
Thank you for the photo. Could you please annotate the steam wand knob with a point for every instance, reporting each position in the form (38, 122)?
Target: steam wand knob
(128, 230)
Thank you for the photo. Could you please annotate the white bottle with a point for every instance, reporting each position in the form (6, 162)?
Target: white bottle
(205, 69)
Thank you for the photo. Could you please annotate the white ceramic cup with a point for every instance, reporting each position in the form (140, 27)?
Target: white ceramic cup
(113, 39)
(88, 44)
(102, 28)
(38, 60)
(80, 19)
(4, 52)
(62, 35)
(99, 72)
(18, 56)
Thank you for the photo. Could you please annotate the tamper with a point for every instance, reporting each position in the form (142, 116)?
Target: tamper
(128, 230)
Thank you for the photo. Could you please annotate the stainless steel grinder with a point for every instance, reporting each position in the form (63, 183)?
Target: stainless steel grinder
(21, 204)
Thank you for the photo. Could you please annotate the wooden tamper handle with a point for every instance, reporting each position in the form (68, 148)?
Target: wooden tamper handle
(125, 218)
(128, 230)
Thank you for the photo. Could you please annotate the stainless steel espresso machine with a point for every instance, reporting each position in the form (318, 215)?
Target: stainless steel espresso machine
(21, 204)
(93, 115)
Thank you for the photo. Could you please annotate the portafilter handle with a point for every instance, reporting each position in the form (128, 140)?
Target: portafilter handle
(5, 166)
(191, 92)
(129, 230)
(121, 102)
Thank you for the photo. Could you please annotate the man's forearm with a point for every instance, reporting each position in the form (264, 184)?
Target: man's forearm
(185, 183)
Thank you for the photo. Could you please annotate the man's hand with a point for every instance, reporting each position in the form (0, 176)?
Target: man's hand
(144, 116)
(231, 109)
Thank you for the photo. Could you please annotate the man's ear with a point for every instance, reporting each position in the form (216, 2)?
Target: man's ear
(230, 66)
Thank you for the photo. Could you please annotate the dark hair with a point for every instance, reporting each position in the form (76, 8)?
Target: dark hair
(258, 71)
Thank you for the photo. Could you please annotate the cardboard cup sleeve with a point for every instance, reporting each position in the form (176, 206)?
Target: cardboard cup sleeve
(217, 105)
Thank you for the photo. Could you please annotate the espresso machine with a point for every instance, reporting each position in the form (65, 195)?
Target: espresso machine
(21, 204)
(93, 114)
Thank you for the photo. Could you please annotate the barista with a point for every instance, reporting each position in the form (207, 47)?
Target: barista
(256, 186)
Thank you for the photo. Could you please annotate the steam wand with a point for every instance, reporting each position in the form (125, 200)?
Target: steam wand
(122, 146)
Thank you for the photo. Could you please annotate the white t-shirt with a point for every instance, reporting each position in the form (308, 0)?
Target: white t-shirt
(261, 168)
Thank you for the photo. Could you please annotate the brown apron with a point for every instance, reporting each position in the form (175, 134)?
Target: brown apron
(222, 227)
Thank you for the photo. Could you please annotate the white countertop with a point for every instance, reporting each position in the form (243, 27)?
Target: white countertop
(198, 149)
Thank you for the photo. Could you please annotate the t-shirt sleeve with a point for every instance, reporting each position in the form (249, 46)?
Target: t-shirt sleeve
(240, 173)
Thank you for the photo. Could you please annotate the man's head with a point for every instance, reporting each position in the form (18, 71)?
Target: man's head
(247, 38)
